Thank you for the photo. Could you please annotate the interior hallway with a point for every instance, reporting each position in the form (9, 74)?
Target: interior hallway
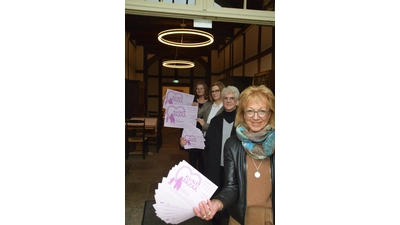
(143, 176)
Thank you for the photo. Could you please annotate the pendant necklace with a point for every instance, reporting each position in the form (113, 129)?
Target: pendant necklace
(257, 174)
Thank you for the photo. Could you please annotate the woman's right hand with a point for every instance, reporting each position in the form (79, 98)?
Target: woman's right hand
(182, 142)
(207, 210)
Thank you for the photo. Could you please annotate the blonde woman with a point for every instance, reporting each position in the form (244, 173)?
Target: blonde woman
(249, 191)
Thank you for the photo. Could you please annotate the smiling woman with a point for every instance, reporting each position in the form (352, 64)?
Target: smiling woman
(145, 54)
(248, 191)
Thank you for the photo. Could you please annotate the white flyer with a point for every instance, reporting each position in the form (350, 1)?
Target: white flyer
(194, 137)
(178, 115)
(180, 192)
(177, 98)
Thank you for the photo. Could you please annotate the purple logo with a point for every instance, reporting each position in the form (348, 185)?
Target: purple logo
(173, 112)
(173, 96)
(185, 176)
(190, 138)
(178, 183)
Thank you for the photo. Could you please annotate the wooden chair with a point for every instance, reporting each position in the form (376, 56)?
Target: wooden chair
(135, 132)
(152, 113)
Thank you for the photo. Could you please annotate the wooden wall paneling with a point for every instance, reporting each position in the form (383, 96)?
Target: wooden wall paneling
(134, 98)
(240, 82)
(267, 78)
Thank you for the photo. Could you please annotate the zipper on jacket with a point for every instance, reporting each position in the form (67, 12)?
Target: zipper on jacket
(246, 166)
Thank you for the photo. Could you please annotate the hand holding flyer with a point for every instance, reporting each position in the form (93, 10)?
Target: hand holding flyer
(194, 137)
(180, 191)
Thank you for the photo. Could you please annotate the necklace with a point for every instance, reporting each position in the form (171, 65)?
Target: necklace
(257, 174)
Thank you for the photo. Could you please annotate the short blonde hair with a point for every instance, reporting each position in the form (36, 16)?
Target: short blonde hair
(257, 93)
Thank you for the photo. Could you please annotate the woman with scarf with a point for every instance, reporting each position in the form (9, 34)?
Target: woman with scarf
(248, 193)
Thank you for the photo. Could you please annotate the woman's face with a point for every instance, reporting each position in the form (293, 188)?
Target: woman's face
(230, 102)
(200, 90)
(215, 92)
(255, 122)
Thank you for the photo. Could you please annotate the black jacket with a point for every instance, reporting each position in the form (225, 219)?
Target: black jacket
(214, 147)
(233, 195)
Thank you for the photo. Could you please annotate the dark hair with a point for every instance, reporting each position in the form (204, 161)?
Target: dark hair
(206, 95)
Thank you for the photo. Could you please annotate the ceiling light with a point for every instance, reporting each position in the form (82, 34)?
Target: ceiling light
(182, 31)
(178, 64)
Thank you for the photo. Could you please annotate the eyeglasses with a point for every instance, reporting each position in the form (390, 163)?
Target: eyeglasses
(260, 113)
(214, 91)
(231, 99)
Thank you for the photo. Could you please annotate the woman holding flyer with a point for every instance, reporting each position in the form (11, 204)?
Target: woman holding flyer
(248, 193)
(205, 114)
(200, 98)
(220, 129)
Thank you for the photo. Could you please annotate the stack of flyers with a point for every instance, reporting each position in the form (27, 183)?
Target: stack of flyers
(194, 137)
(179, 109)
(178, 193)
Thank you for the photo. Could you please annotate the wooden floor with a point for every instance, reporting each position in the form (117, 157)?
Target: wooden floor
(144, 175)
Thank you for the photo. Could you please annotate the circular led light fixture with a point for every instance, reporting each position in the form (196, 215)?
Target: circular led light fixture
(164, 33)
(178, 64)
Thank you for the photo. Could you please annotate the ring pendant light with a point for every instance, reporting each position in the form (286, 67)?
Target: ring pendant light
(183, 64)
(182, 31)
(178, 64)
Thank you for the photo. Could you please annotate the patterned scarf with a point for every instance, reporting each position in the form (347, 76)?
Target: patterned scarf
(259, 145)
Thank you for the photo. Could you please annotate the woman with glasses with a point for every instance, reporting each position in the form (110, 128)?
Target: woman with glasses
(248, 192)
(206, 112)
(213, 108)
(220, 129)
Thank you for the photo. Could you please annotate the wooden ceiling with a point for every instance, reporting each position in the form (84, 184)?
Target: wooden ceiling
(144, 29)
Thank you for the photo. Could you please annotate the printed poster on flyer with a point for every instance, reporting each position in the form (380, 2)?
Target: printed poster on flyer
(178, 116)
(177, 98)
(182, 189)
